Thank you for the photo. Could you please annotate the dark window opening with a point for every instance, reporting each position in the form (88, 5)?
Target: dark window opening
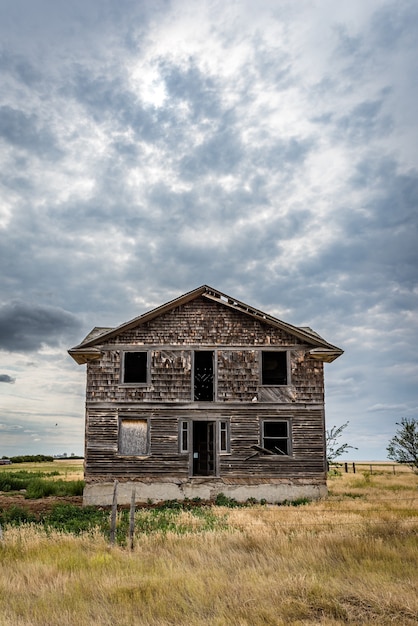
(203, 375)
(135, 367)
(276, 437)
(274, 368)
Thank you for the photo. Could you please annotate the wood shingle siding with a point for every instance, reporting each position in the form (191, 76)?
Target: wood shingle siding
(134, 429)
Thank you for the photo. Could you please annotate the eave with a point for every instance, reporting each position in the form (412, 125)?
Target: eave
(322, 350)
(83, 356)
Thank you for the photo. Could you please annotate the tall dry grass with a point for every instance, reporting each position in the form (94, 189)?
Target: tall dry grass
(350, 559)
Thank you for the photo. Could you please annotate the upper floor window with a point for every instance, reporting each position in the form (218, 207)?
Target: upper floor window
(135, 367)
(274, 367)
(203, 375)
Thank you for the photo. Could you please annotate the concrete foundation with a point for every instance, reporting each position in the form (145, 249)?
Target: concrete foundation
(101, 494)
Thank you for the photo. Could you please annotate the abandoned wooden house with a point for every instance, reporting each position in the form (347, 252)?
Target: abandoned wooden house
(204, 395)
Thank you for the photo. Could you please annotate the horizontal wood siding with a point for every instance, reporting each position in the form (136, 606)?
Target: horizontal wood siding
(237, 341)
(103, 460)
(102, 456)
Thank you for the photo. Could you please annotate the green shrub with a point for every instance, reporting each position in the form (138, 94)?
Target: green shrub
(295, 502)
(41, 488)
(16, 515)
(223, 500)
(16, 481)
(73, 519)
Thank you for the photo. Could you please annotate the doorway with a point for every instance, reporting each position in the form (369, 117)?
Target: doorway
(204, 449)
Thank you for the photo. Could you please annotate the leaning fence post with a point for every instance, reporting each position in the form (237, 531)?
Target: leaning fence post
(354, 468)
(114, 511)
(132, 520)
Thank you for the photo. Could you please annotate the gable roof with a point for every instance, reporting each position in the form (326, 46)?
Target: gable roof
(88, 349)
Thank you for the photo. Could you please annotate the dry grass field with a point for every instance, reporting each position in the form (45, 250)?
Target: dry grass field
(349, 559)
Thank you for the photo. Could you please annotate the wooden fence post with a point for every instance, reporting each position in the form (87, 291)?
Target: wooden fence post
(354, 468)
(346, 468)
(132, 520)
(114, 512)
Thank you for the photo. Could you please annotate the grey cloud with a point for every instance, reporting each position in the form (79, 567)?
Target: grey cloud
(24, 131)
(364, 121)
(5, 378)
(19, 67)
(189, 84)
(108, 97)
(392, 26)
(25, 327)
(220, 154)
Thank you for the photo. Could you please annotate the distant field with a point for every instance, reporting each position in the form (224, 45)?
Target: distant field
(69, 469)
(348, 559)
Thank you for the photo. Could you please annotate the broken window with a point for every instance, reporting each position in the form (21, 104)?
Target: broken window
(274, 368)
(203, 375)
(276, 436)
(135, 367)
(133, 437)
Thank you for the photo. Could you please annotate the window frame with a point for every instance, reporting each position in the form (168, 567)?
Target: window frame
(261, 361)
(288, 438)
(132, 418)
(227, 430)
(184, 429)
(122, 369)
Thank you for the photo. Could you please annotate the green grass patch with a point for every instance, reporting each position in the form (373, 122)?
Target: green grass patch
(72, 519)
(37, 485)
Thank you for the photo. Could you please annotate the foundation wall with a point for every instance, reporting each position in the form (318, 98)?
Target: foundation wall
(101, 494)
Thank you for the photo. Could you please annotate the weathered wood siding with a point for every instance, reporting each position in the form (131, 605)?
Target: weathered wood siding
(237, 341)
(210, 325)
(104, 461)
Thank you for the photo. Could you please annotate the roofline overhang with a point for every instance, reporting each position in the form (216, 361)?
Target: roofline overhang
(86, 351)
(84, 356)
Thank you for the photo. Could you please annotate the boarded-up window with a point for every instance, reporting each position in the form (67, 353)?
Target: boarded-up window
(274, 368)
(133, 437)
(135, 367)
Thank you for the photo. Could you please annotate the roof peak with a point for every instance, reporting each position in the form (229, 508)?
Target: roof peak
(305, 333)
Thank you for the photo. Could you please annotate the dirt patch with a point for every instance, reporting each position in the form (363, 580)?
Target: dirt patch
(37, 506)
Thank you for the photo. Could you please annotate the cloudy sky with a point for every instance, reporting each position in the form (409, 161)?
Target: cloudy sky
(268, 149)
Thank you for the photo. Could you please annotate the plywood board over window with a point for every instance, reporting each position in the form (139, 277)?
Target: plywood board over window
(133, 437)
